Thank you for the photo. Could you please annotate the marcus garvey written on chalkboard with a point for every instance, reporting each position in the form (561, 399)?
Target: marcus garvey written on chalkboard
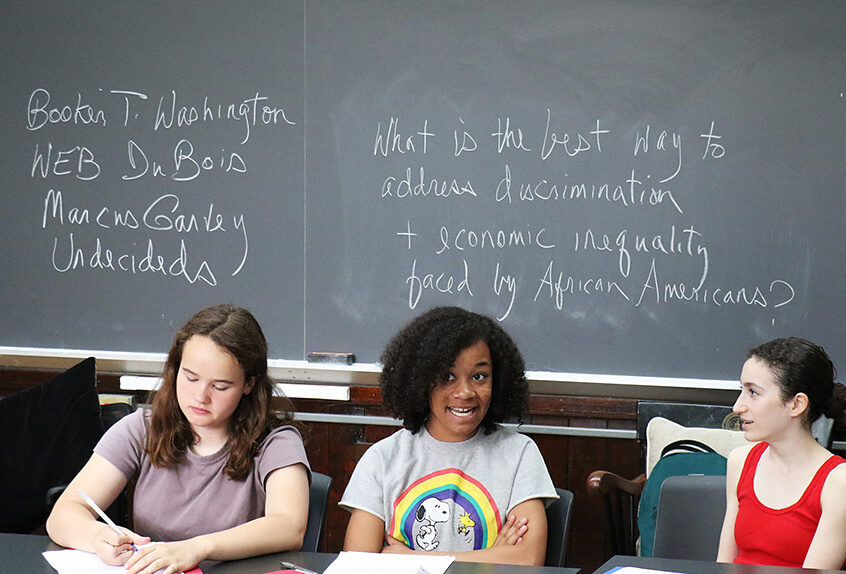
(533, 174)
(125, 178)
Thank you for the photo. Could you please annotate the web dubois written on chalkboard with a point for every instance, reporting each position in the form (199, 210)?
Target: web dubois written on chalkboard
(126, 114)
(635, 263)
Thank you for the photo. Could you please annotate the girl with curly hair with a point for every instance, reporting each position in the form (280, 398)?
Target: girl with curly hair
(784, 494)
(453, 480)
(218, 475)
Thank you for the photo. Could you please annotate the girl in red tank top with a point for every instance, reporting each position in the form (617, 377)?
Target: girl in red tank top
(789, 531)
(784, 502)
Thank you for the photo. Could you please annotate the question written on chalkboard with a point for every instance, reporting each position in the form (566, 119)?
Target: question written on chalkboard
(635, 261)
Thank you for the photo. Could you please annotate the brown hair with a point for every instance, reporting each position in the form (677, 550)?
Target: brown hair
(169, 433)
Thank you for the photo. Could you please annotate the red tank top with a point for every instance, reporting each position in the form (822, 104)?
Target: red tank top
(776, 537)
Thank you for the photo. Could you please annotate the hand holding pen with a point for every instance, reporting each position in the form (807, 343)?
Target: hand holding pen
(121, 533)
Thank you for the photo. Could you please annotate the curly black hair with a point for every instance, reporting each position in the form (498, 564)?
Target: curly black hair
(421, 354)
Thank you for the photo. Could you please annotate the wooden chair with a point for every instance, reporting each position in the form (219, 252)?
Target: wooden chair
(621, 497)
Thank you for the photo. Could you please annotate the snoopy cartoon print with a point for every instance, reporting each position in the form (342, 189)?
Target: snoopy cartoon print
(430, 513)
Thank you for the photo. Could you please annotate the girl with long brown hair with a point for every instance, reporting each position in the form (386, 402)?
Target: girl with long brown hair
(219, 475)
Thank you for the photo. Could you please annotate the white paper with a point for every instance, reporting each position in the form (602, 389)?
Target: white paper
(373, 563)
(77, 561)
(635, 570)
(80, 562)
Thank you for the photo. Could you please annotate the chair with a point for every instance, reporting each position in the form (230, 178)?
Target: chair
(46, 435)
(318, 495)
(558, 527)
(110, 413)
(690, 517)
(621, 496)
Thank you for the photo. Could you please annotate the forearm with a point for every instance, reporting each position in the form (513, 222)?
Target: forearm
(72, 526)
(265, 535)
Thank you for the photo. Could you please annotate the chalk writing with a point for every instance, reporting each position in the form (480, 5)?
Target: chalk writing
(145, 231)
(40, 114)
(568, 145)
(391, 141)
(663, 258)
(418, 185)
(630, 193)
(439, 282)
(247, 112)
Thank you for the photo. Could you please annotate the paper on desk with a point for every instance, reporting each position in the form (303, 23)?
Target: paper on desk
(635, 570)
(372, 563)
(80, 562)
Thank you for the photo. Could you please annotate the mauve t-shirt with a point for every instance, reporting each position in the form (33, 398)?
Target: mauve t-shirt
(195, 497)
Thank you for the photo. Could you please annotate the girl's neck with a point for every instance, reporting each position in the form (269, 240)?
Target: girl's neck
(796, 450)
(209, 441)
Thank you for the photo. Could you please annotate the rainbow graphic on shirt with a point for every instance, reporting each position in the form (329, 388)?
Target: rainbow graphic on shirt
(446, 498)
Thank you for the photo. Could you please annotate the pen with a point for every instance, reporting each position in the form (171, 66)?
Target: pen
(295, 568)
(102, 514)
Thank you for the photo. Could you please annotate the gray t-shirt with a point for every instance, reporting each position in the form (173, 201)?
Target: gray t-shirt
(195, 497)
(448, 497)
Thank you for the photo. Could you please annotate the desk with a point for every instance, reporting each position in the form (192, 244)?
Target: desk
(318, 562)
(21, 554)
(701, 567)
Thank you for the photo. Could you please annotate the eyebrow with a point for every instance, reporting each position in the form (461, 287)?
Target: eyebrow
(219, 381)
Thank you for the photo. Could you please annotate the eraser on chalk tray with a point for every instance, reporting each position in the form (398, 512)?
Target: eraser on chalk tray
(337, 358)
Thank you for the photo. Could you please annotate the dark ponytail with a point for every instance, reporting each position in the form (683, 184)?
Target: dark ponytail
(837, 404)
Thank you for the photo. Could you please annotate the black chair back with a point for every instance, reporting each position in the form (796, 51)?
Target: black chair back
(558, 527)
(318, 501)
(690, 517)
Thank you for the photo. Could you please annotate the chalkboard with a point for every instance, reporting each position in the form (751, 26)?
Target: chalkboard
(632, 188)
(152, 165)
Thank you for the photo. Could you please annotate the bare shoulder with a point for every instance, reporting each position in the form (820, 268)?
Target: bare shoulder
(737, 457)
(837, 477)
(831, 496)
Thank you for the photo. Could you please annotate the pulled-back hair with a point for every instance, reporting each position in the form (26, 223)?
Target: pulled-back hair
(169, 433)
(421, 354)
(800, 366)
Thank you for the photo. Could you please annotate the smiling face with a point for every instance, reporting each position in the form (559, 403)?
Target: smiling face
(763, 411)
(209, 386)
(458, 405)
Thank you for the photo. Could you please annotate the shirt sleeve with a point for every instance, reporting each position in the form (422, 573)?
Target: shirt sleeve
(532, 479)
(282, 447)
(365, 491)
(123, 443)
